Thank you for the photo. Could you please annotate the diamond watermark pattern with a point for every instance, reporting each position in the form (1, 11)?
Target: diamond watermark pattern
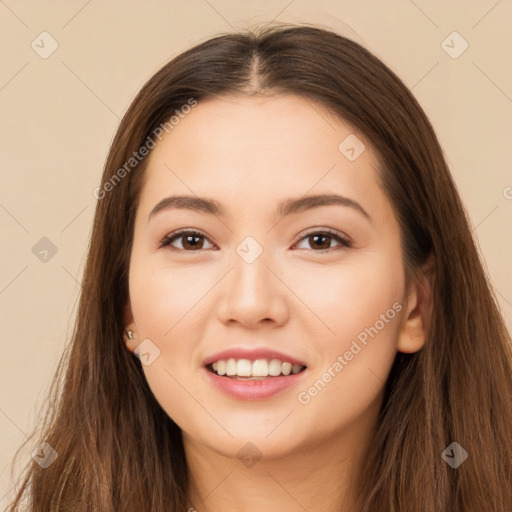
(147, 352)
(454, 45)
(249, 249)
(44, 455)
(44, 45)
(249, 455)
(44, 250)
(351, 147)
(454, 455)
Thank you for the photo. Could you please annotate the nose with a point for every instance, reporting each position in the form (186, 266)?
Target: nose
(252, 293)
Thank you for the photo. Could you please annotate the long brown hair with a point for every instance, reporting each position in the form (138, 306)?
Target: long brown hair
(119, 451)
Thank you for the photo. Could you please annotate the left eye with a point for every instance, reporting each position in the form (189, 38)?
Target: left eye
(190, 240)
(319, 238)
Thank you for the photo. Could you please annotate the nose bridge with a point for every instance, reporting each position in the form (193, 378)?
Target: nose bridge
(252, 276)
(252, 293)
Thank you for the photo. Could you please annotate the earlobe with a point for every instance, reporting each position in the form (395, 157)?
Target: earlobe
(412, 334)
(129, 334)
(412, 337)
(130, 339)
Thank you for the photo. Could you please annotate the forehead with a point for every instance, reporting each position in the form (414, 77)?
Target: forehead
(258, 150)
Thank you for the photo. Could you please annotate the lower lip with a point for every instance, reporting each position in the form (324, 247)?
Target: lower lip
(253, 389)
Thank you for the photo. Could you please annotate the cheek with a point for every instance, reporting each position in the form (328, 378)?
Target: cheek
(353, 363)
(164, 296)
(349, 297)
(359, 307)
(166, 303)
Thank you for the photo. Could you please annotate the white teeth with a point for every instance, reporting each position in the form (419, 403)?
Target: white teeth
(286, 368)
(258, 368)
(274, 367)
(221, 367)
(230, 367)
(244, 368)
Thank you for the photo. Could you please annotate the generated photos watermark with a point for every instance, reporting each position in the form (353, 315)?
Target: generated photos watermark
(149, 144)
(304, 397)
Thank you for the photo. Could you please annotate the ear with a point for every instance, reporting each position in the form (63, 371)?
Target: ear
(129, 325)
(417, 318)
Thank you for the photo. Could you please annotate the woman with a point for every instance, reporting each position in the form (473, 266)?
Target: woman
(331, 344)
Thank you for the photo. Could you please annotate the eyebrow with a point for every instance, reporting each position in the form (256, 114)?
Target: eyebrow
(287, 207)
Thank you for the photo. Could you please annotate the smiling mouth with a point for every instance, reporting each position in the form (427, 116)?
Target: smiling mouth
(259, 369)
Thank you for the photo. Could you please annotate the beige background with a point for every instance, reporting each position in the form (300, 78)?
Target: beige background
(59, 115)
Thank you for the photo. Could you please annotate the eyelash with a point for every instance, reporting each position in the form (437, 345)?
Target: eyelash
(345, 243)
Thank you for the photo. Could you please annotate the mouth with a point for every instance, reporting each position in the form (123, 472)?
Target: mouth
(257, 369)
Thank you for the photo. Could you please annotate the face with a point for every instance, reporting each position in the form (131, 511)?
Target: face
(319, 286)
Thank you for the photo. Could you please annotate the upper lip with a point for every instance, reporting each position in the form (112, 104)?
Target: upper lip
(252, 354)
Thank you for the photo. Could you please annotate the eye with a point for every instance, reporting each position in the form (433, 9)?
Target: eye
(190, 240)
(323, 239)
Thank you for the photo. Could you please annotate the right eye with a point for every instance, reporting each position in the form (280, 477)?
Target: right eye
(191, 240)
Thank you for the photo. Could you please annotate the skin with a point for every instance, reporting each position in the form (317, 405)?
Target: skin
(250, 153)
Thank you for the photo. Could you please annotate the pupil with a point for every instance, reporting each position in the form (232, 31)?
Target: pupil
(316, 237)
(188, 238)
